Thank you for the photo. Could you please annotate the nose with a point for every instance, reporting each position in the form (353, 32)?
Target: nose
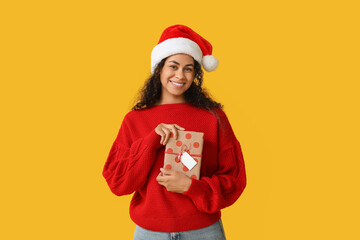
(180, 74)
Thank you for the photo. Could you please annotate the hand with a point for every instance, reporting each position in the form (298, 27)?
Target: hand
(174, 181)
(164, 130)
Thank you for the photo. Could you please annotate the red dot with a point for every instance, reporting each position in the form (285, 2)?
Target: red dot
(177, 159)
(170, 150)
(193, 177)
(168, 166)
(196, 145)
(171, 135)
(178, 143)
(185, 169)
(188, 135)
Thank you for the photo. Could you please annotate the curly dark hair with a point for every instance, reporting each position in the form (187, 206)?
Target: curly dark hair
(196, 95)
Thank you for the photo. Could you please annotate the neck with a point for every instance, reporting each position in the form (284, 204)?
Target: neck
(171, 100)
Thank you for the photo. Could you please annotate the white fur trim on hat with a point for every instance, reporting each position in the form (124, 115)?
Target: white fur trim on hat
(173, 46)
(210, 63)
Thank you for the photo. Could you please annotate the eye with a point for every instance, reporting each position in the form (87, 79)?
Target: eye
(173, 66)
(188, 69)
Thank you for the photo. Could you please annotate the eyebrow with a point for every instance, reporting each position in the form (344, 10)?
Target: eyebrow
(179, 63)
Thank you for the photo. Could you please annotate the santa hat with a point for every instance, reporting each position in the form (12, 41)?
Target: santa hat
(182, 39)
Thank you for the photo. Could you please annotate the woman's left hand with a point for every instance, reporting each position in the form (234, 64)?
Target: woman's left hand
(174, 181)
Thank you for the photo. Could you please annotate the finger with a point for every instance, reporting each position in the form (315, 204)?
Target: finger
(175, 131)
(178, 127)
(162, 134)
(160, 181)
(172, 129)
(167, 135)
(162, 138)
(159, 177)
(167, 172)
(162, 184)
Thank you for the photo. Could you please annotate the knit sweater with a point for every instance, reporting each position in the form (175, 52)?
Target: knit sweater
(136, 156)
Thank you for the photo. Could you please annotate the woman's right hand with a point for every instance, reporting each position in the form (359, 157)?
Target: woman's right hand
(164, 130)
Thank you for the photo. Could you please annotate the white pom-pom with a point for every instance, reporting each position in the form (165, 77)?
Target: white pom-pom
(210, 63)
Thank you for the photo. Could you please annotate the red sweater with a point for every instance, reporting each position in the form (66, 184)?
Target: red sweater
(136, 157)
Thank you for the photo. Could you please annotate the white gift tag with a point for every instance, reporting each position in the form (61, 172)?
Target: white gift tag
(188, 161)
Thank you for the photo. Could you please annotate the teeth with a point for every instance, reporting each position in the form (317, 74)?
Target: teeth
(177, 84)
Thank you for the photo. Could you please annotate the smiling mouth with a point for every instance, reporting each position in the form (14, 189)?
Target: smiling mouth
(177, 84)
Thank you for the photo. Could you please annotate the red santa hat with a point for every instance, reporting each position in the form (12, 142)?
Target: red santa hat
(182, 39)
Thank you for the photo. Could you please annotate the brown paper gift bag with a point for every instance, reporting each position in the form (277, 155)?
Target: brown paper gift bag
(187, 142)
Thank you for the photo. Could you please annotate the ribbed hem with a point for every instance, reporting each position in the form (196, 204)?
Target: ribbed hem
(176, 224)
(172, 105)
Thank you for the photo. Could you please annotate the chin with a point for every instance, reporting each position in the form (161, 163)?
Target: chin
(177, 93)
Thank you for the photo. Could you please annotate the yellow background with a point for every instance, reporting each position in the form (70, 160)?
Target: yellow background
(288, 77)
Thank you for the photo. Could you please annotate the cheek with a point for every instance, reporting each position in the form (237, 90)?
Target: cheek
(165, 76)
(163, 79)
(188, 84)
(190, 78)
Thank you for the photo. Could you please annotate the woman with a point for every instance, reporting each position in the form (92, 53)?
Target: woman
(168, 204)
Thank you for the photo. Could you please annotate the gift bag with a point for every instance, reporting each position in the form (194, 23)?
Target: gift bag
(185, 153)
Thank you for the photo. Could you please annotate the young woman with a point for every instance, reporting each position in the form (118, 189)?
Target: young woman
(168, 204)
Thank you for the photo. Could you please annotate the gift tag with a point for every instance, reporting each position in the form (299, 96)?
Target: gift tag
(188, 161)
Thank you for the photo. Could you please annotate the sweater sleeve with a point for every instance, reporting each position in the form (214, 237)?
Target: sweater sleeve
(129, 161)
(224, 187)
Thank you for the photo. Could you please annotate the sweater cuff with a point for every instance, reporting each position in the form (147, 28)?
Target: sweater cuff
(195, 189)
(153, 140)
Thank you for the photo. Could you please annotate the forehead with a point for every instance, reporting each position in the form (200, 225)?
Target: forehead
(181, 58)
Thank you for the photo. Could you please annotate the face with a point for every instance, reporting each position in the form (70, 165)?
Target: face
(176, 76)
